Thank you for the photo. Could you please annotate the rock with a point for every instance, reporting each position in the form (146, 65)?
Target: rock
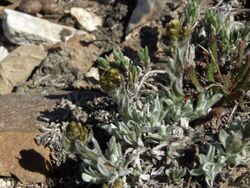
(22, 157)
(86, 19)
(3, 52)
(23, 110)
(50, 7)
(142, 12)
(4, 183)
(147, 11)
(18, 65)
(20, 28)
(30, 6)
(84, 55)
(13, 4)
(64, 65)
(81, 84)
(93, 74)
(204, 5)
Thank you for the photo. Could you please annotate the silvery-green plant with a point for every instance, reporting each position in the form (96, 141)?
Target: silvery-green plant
(178, 32)
(149, 134)
(146, 122)
(235, 143)
(226, 30)
(181, 108)
(209, 166)
(234, 147)
(75, 131)
(174, 98)
(191, 13)
(104, 168)
(176, 175)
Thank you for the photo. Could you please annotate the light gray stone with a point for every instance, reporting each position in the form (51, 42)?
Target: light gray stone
(86, 19)
(3, 52)
(18, 65)
(143, 8)
(21, 28)
(144, 12)
(93, 74)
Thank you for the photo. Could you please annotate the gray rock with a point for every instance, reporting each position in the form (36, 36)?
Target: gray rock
(3, 52)
(93, 73)
(86, 19)
(21, 111)
(18, 65)
(21, 28)
(146, 11)
(142, 11)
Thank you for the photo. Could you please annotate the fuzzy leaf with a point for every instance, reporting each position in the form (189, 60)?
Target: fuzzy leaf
(223, 136)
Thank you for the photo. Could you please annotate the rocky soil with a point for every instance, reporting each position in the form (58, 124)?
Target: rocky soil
(48, 52)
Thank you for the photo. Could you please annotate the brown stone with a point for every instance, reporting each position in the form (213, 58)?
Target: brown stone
(30, 6)
(19, 154)
(22, 157)
(50, 7)
(18, 65)
(204, 5)
(84, 55)
(21, 111)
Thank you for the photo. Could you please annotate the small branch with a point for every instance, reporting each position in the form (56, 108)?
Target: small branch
(233, 112)
(151, 86)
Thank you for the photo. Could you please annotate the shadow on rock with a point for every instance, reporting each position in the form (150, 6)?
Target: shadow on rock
(33, 161)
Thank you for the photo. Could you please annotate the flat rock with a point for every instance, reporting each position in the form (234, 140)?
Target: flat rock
(19, 154)
(21, 111)
(22, 157)
(18, 65)
(21, 28)
(86, 19)
(85, 55)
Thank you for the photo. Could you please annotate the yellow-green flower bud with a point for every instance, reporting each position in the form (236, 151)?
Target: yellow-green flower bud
(110, 79)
